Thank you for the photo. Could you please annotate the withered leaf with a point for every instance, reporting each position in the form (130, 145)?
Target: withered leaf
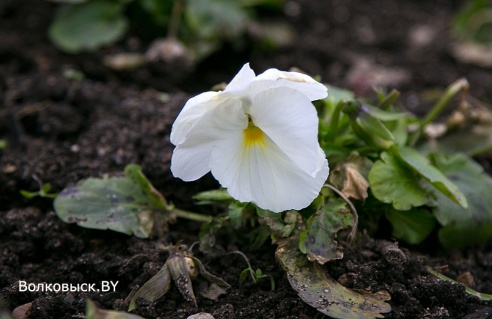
(350, 177)
(156, 287)
(318, 289)
(325, 229)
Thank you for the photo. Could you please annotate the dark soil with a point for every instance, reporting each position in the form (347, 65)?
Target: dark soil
(60, 131)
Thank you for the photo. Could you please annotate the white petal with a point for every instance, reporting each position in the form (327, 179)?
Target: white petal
(191, 158)
(242, 78)
(303, 83)
(191, 112)
(191, 163)
(264, 175)
(322, 167)
(291, 121)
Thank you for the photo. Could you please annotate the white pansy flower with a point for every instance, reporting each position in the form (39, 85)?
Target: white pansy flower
(258, 137)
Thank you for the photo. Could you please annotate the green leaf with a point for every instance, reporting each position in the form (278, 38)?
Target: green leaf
(44, 191)
(3, 144)
(386, 115)
(212, 19)
(88, 26)
(473, 225)
(336, 95)
(216, 196)
(334, 153)
(393, 182)
(386, 100)
(244, 274)
(160, 10)
(28, 194)
(280, 228)
(235, 211)
(92, 312)
(399, 129)
(123, 204)
(207, 237)
(316, 288)
(367, 127)
(422, 166)
(320, 238)
(372, 125)
(412, 226)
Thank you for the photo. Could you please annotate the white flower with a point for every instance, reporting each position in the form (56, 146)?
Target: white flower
(258, 137)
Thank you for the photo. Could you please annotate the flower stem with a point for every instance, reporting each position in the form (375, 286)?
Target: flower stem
(175, 19)
(455, 87)
(181, 213)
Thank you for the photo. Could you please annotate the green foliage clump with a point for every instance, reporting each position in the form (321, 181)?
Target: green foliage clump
(200, 25)
(416, 178)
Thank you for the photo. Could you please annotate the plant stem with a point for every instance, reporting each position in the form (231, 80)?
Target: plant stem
(175, 19)
(451, 91)
(250, 269)
(181, 213)
(455, 87)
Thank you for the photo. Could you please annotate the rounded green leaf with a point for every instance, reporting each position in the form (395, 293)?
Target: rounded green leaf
(473, 225)
(412, 226)
(216, 19)
(88, 26)
(337, 94)
(393, 182)
(123, 204)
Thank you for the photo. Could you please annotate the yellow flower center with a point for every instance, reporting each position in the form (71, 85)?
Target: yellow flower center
(253, 134)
